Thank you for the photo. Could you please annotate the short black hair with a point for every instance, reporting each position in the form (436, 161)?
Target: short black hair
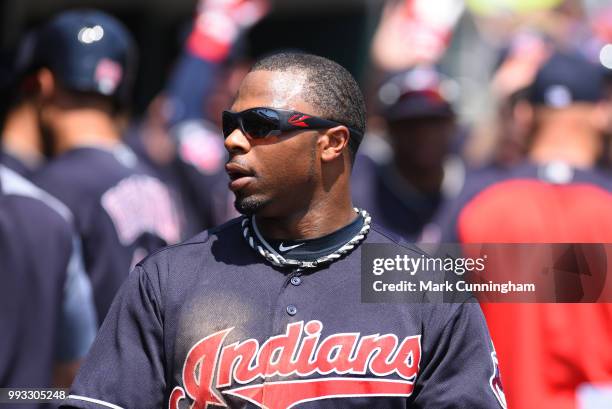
(331, 88)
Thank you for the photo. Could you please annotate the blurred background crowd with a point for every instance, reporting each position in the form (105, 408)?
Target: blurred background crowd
(489, 121)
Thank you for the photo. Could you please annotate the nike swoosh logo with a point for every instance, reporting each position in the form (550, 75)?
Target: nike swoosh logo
(283, 248)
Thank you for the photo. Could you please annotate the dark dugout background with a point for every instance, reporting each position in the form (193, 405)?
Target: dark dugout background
(339, 29)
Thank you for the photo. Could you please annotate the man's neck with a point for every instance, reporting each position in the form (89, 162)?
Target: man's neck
(323, 217)
(84, 128)
(21, 134)
(576, 147)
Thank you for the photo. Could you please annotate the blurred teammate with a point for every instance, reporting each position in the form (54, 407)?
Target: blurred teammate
(47, 315)
(549, 353)
(181, 134)
(404, 191)
(85, 60)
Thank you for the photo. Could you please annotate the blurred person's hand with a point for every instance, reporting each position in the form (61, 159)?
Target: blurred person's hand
(219, 23)
(526, 55)
(413, 32)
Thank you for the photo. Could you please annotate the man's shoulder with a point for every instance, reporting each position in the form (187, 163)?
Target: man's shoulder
(199, 245)
(380, 235)
(82, 176)
(15, 164)
(525, 177)
(481, 179)
(598, 177)
(29, 215)
(32, 200)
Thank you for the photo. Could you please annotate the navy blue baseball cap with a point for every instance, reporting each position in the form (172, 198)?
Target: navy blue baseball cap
(88, 51)
(419, 92)
(7, 68)
(565, 79)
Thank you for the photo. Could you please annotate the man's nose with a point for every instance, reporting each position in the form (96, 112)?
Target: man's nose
(237, 142)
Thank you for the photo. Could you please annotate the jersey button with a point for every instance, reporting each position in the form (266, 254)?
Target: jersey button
(296, 280)
(291, 309)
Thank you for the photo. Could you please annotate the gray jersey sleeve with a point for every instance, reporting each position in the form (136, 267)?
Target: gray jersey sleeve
(77, 324)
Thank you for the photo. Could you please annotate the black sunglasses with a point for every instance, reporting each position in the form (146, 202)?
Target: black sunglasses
(261, 122)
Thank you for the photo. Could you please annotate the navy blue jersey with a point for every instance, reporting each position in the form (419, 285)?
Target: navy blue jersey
(209, 324)
(46, 309)
(121, 212)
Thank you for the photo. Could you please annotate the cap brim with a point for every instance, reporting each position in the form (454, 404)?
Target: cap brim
(407, 110)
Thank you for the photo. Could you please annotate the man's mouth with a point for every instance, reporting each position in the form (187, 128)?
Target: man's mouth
(239, 176)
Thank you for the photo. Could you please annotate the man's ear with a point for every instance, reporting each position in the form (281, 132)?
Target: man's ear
(333, 142)
(46, 83)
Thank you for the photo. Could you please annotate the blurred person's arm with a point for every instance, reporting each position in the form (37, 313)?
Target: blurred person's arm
(217, 27)
(429, 25)
(78, 322)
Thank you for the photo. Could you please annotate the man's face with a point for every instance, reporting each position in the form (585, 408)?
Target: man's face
(276, 175)
(422, 142)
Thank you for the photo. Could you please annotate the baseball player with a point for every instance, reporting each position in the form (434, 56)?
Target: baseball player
(549, 353)
(47, 316)
(122, 212)
(264, 311)
(404, 190)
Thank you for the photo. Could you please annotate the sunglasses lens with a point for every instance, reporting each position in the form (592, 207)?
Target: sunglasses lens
(229, 123)
(260, 122)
